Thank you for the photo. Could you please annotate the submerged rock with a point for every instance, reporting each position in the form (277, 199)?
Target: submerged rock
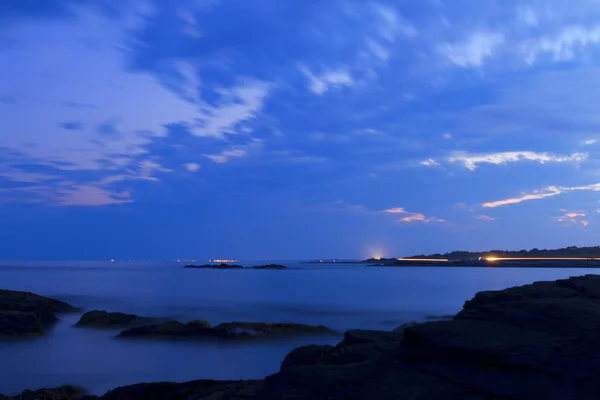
(270, 266)
(27, 314)
(215, 266)
(103, 319)
(229, 330)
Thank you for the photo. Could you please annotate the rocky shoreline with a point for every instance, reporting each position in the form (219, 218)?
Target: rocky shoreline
(537, 341)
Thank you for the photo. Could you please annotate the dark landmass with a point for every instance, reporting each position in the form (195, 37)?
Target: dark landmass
(571, 251)
(229, 330)
(27, 314)
(103, 319)
(216, 266)
(537, 341)
(270, 266)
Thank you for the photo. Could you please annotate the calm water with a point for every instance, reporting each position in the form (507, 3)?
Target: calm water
(341, 296)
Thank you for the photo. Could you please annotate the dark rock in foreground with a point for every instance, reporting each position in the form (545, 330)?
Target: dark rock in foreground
(215, 266)
(537, 341)
(103, 319)
(27, 314)
(270, 266)
(229, 330)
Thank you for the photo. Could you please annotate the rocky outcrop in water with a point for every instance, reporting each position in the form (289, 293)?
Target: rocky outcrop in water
(28, 314)
(270, 266)
(103, 319)
(229, 330)
(537, 341)
(215, 266)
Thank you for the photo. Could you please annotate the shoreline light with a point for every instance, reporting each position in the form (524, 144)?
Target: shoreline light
(540, 258)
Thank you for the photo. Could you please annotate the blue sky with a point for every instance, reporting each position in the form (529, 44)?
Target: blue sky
(296, 129)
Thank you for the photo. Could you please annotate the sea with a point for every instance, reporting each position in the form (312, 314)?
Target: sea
(340, 296)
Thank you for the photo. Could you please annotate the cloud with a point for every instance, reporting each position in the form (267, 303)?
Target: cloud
(192, 166)
(89, 195)
(328, 80)
(549, 191)
(571, 217)
(474, 50)
(484, 217)
(470, 161)
(527, 16)
(225, 155)
(430, 162)
(562, 46)
(391, 23)
(411, 216)
(589, 142)
(240, 103)
(324, 137)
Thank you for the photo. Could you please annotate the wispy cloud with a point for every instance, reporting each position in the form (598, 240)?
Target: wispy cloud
(327, 80)
(549, 191)
(473, 51)
(411, 216)
(237, 104)
(225, 155)
(562, 46)
(484, 217)
(471, 161)
(192, 166)
(430, 162)
(573, 217)
(90, 195)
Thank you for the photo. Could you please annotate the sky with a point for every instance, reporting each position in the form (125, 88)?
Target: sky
(270, 129)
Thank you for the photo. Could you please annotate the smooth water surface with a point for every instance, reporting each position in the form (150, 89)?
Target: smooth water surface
(341, 296)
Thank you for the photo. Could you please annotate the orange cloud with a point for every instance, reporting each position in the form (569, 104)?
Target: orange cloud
(585, 223)
(411, 216)
(552, 191)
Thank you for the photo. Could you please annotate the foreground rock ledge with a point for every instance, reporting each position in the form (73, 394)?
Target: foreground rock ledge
(27, 314)
(538, 341)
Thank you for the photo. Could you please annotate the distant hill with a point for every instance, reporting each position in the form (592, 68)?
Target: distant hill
(571, 251)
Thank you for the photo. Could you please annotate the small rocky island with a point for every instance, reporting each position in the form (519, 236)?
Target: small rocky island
(103, 319)
(236, 266)
(537, 341)
(229, 330)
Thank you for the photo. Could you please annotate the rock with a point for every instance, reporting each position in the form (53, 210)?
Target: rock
(537, 341)
(307, 355)
(358, 346)
(103, 319)
(27, 314)
(216, 266)
(193, 390)
(261, 329)
(176, 329)
(270, 266)
(60, 393)
(230, 330)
